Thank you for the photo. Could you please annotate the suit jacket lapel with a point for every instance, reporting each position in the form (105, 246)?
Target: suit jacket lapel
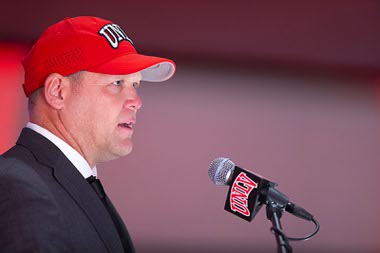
(120, 226)
(74, 183)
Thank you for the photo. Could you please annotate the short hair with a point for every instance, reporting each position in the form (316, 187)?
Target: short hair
(75, 79)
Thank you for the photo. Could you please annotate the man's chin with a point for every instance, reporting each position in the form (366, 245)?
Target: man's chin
(115, 155)
(117, 151)
(122, 151)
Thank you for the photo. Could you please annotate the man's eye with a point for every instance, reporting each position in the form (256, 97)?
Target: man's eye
(136, 84)
(117, 83)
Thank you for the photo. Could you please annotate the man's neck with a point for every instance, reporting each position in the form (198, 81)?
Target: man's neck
(75, 158)
(60, 132)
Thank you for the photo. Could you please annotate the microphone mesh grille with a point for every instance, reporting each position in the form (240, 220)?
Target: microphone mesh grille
(220, 170)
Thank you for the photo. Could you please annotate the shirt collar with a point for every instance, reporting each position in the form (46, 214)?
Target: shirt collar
(75, 158)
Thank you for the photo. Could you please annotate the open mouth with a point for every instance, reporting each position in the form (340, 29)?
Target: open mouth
(126, 125)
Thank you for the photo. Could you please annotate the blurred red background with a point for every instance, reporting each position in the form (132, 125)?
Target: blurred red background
(286, 89)
(11, 97)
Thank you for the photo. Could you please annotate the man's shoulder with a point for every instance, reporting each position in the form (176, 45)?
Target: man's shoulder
(18, 172)
(17, 151)
(17, 161)
(27, 201)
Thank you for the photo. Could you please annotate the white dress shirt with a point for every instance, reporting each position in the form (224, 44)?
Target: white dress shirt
(75, 158)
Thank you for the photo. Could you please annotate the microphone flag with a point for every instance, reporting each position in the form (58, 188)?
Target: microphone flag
(244, 198)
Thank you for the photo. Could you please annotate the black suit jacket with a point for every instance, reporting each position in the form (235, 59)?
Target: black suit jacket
(46, 205)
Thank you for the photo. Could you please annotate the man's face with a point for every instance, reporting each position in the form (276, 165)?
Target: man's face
(99, 114)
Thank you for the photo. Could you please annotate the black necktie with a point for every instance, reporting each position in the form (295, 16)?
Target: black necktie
(117, 221)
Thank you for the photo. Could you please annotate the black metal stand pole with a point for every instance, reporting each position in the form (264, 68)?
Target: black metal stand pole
(274, 213)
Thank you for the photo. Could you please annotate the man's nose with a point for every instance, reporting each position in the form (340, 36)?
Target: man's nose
(133, 100)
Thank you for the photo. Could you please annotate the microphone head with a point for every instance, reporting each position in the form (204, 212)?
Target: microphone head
(220, 170)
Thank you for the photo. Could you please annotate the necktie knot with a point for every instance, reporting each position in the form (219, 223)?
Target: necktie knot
(97, 186)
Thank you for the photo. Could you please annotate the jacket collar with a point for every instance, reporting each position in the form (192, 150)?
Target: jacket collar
(74, 156)
(43, 149)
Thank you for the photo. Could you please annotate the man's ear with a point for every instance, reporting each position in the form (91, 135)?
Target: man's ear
(55, 90)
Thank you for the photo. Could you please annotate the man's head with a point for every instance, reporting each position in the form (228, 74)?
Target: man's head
(81, 78)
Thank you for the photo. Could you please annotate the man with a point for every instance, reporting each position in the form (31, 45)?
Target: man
(81, 78)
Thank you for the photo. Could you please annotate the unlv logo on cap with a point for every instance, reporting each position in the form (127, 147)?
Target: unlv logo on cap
(114, 34)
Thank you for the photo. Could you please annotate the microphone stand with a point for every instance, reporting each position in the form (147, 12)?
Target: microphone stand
(274, 213)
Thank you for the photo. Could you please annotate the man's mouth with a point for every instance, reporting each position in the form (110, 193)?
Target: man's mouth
(126, 125)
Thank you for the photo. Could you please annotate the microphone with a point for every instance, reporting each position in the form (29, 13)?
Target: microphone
(249, 191)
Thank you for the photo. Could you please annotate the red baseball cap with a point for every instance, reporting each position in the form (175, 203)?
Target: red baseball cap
(92, 44)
